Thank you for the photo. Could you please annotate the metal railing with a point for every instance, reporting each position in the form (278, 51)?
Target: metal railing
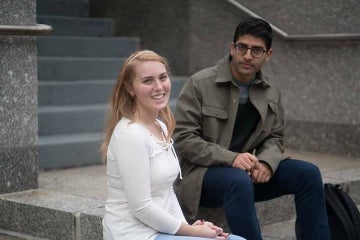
(300, 37)
(37, 30)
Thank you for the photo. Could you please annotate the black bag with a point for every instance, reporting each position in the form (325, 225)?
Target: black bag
(343, 214)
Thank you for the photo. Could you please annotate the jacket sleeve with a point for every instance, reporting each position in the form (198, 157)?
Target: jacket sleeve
(271, 150)
(188, 135)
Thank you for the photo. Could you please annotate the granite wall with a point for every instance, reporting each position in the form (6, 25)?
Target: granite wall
(161, 25)
(319, 79)
(320, 84)
(309, 16)
(18, 100)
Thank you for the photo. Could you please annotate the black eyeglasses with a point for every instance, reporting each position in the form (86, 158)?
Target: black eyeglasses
(256, 52)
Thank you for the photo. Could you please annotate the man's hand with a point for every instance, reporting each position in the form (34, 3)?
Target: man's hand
(261, 174)
(246, 162)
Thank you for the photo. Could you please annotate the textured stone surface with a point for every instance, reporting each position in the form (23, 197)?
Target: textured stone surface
(320, 93)
(278, 231)
(323, 137)
(319, 80)
(47, 214)
(4, 236)
(309, 16)
(18, 169)
(18, 91)
(91, 226)
(18, 12)
(35, 221)
(81, 180)
(146, 19)
(18, 100)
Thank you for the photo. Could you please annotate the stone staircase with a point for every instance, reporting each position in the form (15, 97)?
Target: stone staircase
(77, 67)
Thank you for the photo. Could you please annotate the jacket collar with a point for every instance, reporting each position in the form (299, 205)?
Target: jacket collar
(224, 74)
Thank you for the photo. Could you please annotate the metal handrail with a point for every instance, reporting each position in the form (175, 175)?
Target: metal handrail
(37, 30)
(300, 37)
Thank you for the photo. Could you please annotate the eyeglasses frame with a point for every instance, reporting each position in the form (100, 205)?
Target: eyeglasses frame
(251, 50)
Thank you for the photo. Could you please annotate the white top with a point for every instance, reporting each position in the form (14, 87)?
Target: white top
(141, 171)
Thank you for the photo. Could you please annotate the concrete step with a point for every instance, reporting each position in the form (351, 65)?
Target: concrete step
(75, 92)
(87, 92)
(76, 107)
(77, 68)
(69, 203)
(79, 8)
(82, 111)
(284, 230)
(49, 214)
(78, 26)
(71, 119)
(69, 150)
(58, 46)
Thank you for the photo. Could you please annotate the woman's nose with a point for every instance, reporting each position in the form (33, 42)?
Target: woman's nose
(157, 83)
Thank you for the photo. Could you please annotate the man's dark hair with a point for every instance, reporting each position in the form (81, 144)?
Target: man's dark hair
(256, 27)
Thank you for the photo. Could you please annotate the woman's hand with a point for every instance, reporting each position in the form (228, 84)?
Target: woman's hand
(223, 236)
(220, 234)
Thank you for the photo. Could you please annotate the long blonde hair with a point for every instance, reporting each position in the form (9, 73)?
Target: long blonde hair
(122, 104)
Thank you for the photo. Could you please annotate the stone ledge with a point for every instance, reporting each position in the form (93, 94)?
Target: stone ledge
(47, 214)
(330, 138)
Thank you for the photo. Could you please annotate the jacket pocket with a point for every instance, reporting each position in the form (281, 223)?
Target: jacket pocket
(214, 120)
(273, 107)
(271, 116)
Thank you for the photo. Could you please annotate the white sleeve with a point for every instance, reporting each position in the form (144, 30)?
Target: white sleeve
(132, 157)
(176, 209)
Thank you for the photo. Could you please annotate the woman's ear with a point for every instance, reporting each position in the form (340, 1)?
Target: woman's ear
(130, 90)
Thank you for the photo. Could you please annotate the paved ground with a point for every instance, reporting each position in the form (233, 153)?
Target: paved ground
(90, 182)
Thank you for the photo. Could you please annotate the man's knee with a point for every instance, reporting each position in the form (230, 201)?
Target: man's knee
(240, 183)
(311, 171)
(308, 174)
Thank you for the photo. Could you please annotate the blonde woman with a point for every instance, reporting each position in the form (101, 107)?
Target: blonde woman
(141, 161)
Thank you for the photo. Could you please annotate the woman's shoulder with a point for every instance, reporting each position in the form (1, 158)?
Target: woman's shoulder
(129, 129)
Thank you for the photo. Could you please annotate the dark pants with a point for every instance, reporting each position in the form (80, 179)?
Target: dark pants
(233, 189)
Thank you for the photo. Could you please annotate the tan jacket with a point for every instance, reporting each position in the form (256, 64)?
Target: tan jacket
(205, 117)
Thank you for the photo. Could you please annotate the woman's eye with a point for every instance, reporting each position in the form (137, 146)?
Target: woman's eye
(147, 81)
(164, 77)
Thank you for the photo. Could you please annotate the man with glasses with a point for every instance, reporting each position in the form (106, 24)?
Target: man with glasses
(229, 137)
